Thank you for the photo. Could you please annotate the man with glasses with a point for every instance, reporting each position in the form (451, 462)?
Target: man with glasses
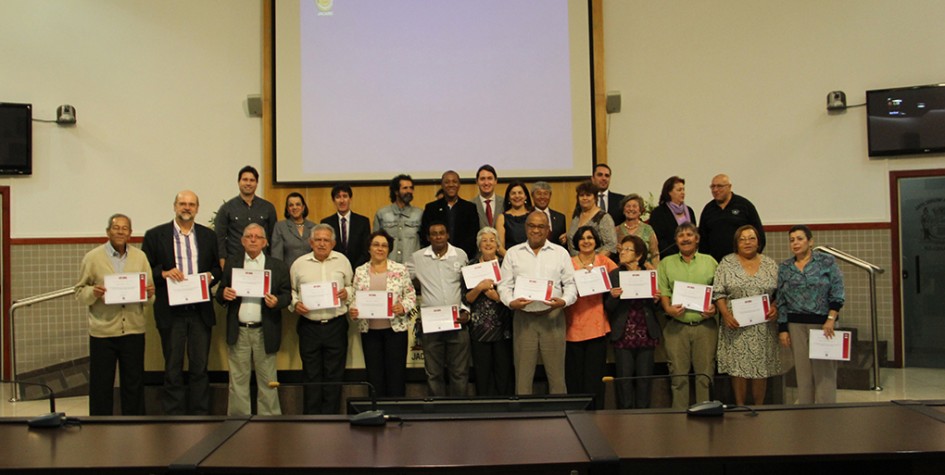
(723, 215)
(538, 325)
(116, 330)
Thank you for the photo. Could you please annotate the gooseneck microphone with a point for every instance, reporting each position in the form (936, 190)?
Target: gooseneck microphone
(374, 417)
(53, 418)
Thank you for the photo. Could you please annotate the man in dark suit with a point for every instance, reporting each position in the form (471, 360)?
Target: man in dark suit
(352, 229)
(179, 250)
(606, 199)
(488, 205)
(459, 215)
(541, 196)
(254, 326)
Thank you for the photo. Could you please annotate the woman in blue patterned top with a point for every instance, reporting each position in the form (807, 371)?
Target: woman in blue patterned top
(810, 295)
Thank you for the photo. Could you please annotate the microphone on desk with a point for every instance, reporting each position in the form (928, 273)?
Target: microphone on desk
(712, 408)
(374, 417)
(53, 418)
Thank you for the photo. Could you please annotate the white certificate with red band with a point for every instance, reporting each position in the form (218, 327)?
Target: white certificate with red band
(128, 287)
(637, 284)
(691, 296)
(476, 273)
(318, 295)
(533, 289)
(750, 310)
(375, 304)
(440, 319)
(836, 348)
(195, 288)
(592, 281)
(251, 282)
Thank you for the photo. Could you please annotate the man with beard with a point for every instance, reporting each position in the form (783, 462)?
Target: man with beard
(177, 251)
(723, 215)
(690, 337)
(400, 219)
(243, 209)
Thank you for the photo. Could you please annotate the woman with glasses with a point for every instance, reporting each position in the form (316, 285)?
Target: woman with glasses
(384, 340)
(634, 330)
(748, 354)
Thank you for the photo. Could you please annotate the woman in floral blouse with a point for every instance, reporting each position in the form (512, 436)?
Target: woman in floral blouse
(385, 340)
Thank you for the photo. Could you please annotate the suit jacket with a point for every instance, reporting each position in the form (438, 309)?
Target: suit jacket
(618, 310)
(498, 208)
(159, 247)
(466, 223)
(359, 235)
(271, 317)
(559, 226)
(613, 207)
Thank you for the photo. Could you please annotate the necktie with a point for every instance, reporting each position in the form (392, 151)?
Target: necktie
(344, 233)
(489, 211)
(602, 205)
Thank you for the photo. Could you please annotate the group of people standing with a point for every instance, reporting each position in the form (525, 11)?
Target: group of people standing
(498, 328)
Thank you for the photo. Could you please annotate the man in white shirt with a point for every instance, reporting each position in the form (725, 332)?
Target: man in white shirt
(323, 332)
(538, 326)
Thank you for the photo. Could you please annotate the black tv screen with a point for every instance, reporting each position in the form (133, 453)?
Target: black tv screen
(16, 139)
(906, 120)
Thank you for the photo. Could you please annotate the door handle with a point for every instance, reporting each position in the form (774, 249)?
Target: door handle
(918, 276)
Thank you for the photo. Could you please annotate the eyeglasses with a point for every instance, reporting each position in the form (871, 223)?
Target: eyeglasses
(379, 244)
(747, 239)
(627, 249)
(716, 187)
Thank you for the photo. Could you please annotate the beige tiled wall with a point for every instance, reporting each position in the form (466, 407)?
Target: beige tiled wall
(871, 245)
(57, 331)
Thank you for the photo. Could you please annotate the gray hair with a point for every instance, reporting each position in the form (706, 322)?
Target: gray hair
(687, 226)
(485, 230)
(322, 227)
(541, 185)
(112, 218)
(254, 226)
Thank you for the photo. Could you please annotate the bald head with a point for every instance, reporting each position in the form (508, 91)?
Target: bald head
(721, 188)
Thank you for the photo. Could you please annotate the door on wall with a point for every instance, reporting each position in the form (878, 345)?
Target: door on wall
(922, 253)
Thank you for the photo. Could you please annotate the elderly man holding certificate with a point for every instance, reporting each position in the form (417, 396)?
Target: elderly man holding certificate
(115, 282)
(537, 283)
(254, 290)
(321, 285)
(691, 335)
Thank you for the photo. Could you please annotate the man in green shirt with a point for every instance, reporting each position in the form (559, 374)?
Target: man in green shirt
(690, 338)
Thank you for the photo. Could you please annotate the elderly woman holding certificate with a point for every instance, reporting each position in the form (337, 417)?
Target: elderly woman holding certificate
(587, 325)
(635, 332)
(384, 337)
(490, 324)
(744, 283)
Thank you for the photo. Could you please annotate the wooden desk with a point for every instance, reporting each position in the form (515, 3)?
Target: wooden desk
(507, 445)
(134, 445)
(782, 439)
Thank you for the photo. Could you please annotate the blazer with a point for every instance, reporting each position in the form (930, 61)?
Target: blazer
(159, 247)
(664, 224)
(271, 317)
(465, 227)
(613, 207)
(618, 309)
(359, 238)
(559, 226)
(498, 207)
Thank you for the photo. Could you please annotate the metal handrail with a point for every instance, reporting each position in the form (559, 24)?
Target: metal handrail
(872, 270)
(26, 302)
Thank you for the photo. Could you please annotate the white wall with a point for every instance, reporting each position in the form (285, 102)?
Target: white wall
(159, 88)
(740, 86)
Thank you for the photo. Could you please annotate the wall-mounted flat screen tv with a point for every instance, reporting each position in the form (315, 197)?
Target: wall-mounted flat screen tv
(906, 120)
(16, 139)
